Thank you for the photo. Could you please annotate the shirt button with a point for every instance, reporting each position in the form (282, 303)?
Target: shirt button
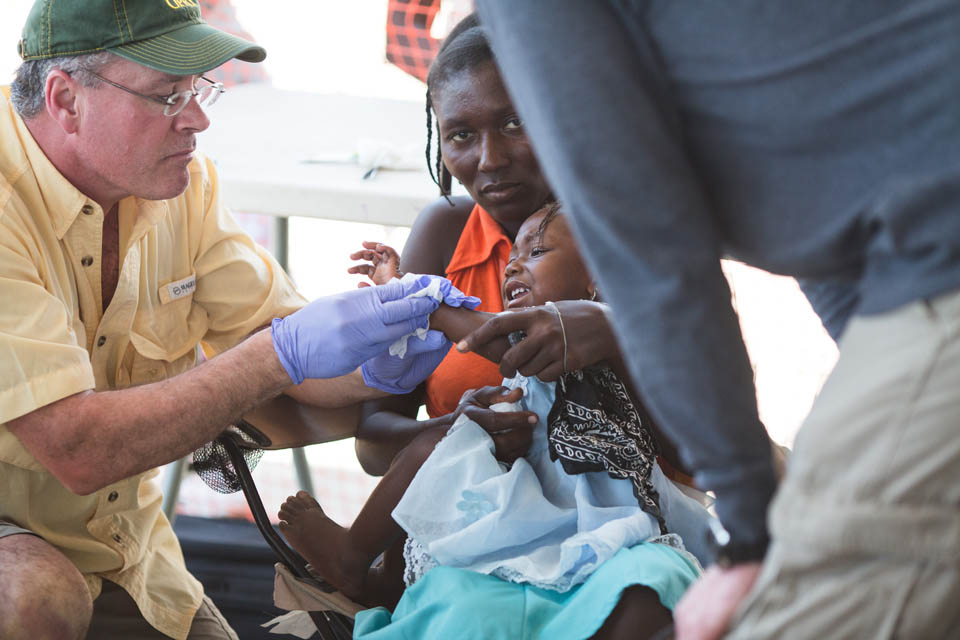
(101, 341)
(117, 538)
(113, 496)
(86, 209)
(86, 261)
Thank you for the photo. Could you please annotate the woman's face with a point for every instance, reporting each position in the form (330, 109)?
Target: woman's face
(485, 147)
(544, 265)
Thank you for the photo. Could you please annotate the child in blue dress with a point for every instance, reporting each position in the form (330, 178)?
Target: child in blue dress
(550, 542)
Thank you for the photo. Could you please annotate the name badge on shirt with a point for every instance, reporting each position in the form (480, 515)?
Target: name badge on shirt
(179, 289)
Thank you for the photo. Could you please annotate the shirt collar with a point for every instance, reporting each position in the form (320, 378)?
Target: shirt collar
(482, 236)
(64, 201)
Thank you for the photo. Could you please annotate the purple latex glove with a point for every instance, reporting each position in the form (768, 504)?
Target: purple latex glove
(333, 335)
(446, 292)
(453, 297)
(402, 375)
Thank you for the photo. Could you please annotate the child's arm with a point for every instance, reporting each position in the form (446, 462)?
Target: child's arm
(457, 322)
(384, 263)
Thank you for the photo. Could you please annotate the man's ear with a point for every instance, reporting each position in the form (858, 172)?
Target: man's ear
(62, 100)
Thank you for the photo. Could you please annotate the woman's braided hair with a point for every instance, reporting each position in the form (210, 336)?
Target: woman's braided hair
(465, 48)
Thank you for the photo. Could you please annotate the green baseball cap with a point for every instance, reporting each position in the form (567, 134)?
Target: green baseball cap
(167, 35)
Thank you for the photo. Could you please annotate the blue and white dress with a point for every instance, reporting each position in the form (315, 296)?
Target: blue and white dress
(531, 538)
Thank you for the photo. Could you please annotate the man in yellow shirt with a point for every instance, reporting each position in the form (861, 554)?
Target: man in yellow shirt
(117, 260)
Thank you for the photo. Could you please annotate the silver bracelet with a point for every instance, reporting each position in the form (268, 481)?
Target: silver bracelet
(563, 331)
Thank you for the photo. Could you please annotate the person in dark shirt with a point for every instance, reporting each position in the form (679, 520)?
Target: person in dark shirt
(815, 139)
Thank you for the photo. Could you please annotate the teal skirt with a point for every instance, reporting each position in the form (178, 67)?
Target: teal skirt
(455, 603)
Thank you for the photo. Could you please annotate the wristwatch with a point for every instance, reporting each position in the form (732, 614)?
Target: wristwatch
(726, 552)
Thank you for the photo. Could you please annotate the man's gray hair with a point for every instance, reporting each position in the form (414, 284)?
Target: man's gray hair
(27, 89)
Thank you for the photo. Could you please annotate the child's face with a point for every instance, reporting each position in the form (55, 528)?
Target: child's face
(544, 265)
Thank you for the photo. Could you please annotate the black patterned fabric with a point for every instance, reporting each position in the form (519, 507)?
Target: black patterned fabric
(595, 426)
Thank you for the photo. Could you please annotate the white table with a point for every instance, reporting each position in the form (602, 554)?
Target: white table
(261, 138)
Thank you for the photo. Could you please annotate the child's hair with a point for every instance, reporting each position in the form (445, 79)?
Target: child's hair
(551, 210)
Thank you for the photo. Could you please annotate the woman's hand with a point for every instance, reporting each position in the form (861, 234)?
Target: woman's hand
(584, 338)
(512, 431)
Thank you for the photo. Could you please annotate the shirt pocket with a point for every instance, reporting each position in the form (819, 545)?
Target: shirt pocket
(169, 325)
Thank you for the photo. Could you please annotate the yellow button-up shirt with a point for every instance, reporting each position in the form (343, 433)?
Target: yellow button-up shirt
(188, 274)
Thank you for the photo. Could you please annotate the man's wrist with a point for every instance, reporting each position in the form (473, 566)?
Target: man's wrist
(271, 365)
(728, 551)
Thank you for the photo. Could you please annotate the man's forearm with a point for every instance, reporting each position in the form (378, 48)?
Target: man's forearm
(92, 439)
(332, 393)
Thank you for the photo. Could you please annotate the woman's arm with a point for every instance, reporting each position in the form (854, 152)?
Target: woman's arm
(434, 236)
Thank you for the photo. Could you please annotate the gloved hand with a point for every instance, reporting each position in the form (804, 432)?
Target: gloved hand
(333, 335)
(441, 289)
(394, 374)
(421, 354)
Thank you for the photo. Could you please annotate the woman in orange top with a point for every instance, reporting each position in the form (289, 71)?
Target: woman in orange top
(481, 143)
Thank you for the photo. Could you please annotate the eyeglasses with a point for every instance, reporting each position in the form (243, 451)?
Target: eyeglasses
(176, 102)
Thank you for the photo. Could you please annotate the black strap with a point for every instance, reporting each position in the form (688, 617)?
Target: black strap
(331, 625)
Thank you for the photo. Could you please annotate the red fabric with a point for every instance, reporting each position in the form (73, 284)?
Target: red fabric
(476, 269)
(409, 45)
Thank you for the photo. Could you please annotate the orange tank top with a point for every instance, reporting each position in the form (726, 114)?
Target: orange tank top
(476, 268)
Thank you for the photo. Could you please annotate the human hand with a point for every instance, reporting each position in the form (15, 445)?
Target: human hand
(402, 373)
(585, 336)
(383, 263)
(397, 375)
(706, 610)
(512, 431)
(333, 335)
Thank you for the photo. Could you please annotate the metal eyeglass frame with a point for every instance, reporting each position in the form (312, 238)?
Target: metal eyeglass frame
(175, 102)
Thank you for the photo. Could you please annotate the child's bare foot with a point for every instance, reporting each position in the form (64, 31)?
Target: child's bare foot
(384, 263)
(324, 544)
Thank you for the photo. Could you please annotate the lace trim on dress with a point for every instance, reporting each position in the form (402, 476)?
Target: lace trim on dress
(418, 561)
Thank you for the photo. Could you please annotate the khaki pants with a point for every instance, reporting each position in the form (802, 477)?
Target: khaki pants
(866, 526)
(115, 615)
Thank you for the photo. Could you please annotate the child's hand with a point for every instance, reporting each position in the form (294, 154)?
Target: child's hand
(511, 431)
(384, 263)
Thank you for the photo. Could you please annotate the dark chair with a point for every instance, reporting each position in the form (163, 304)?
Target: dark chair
(280, 424)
